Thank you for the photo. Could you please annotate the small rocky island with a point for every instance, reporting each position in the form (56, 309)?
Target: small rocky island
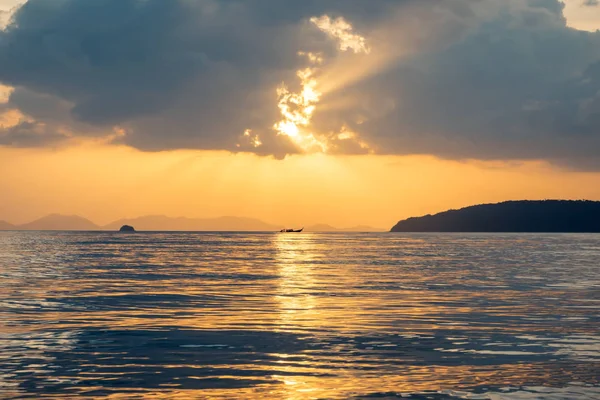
(512, 216)
(127, 228)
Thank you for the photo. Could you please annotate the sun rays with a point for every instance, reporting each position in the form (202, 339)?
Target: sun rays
(297, 108)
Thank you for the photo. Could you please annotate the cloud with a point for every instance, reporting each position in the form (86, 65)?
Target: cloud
(31, 119)
(518, 84)
(341, 30)
(456, 78)
(30, 134)
(591, 3)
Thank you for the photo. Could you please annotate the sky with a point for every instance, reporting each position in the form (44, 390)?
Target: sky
(342, 112)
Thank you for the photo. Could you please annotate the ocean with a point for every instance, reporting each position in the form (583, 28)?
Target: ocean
(299, 316)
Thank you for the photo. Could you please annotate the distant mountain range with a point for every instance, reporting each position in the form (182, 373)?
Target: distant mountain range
(56, 222)
(5, 226)
(162, 223)
(511, 216)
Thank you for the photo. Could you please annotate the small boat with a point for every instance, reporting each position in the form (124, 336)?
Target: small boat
(291, 230)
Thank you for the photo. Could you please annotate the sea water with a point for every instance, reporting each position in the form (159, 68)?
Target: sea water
(299, 316)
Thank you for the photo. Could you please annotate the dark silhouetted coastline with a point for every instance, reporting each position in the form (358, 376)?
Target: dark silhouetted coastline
(511, 216)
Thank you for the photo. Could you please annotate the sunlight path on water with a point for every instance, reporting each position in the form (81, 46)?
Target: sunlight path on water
(295, 316)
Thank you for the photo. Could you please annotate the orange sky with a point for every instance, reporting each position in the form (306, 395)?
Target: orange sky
(106, 183)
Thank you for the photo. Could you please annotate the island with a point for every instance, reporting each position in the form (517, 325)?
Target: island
(127, 228)
(552, 216)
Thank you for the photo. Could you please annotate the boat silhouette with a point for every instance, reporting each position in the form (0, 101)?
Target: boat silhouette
(291, 230)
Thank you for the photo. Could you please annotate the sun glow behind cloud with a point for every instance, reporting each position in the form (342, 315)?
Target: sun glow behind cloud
(297, 108)
(7, 9)
(253, 138)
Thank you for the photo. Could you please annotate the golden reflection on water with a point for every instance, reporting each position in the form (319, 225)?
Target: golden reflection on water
(295, 316)
(297, 302)
(298, 305)
(425, 379)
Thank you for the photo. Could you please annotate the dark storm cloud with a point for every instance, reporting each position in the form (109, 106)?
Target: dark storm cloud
(483, 79)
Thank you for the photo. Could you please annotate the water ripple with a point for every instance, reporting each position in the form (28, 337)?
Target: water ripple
(317, 316)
